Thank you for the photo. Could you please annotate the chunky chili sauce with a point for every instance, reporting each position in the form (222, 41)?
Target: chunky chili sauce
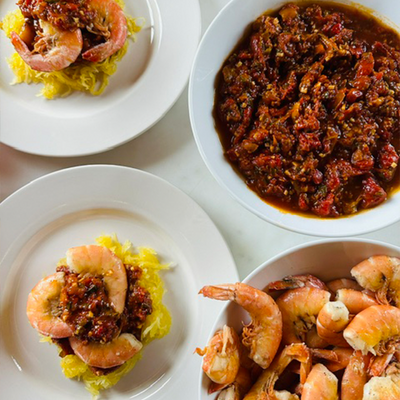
(65, 15)
(84, 305)
(308, 109)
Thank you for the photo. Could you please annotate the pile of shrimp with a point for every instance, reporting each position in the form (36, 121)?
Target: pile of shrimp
(58, 59)
(100, 364)
(311, 340)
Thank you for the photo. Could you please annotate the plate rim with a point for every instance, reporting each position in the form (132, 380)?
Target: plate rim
(202, 310)
(172, 91)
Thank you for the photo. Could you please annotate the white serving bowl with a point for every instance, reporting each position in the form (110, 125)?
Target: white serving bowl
(218, 42)
(327, 259)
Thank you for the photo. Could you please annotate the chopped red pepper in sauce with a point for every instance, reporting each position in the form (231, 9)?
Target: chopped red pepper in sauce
(308, 109)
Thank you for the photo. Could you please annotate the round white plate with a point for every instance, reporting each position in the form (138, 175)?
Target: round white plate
(148, 81)
(72, 207)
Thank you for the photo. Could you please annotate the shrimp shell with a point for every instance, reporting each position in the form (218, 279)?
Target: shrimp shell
(42, 307)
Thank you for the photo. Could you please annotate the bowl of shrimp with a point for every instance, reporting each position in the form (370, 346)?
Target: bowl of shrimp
(318, 321)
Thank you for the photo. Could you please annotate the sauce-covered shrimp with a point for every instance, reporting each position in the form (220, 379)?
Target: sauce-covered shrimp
(98, 260)
(42, 307)
(106, 355)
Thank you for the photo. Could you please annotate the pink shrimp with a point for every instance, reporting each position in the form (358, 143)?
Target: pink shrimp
(55, 50)
(355, 376)
(354, 300)
(321, 384)
(264, 388)
(98, 260)
(263, 335)
(42, 308)
(380, 274)
(296, 281)
(109, 23)
(221, 356)
(375, 330)
(343, 283)
(332, 320)
(299, 308)
(107, 355)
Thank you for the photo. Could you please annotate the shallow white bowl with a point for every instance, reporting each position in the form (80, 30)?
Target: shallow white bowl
(219, 40)
(326, 259)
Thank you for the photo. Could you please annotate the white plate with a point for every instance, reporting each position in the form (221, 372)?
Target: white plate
(327, 259)
(217, 43)
(72, 207)
(149, 79)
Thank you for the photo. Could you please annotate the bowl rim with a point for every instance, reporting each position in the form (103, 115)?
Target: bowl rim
(322, 227)
(283, 254)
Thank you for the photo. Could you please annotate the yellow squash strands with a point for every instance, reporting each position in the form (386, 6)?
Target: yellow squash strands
(83, 76)
(156, 326)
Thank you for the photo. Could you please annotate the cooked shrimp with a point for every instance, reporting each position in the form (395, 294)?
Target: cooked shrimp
(381, 274)
(300, 308)
(382, 388)
(337, 359)
(110, 23)
(321, 384)
(238, 389)
(264, 387)
(98, 260)
(42, 308)
(221, 356)
(108, 355)
(354, 300)
(314, 341)
(378, 365)
(55, 50)
(296, 281)
(343, 283)
(355, 376)
(263, 335)
(331, 321)
(375, 330)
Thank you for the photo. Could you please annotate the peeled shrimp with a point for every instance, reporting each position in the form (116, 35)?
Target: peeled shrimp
(221, 356)
(60, 48)
(332, 320)
(109, 23)
(382, 388)
(321, 384)
(354, 300)
(42, 308)
(380, 274)
(355, 376)
(375, 330)
(263, 335)
(107, 355)
(300, 308)
(98, 260)
(264, 387)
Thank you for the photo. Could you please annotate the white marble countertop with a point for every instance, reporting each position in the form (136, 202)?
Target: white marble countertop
(169, 151)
